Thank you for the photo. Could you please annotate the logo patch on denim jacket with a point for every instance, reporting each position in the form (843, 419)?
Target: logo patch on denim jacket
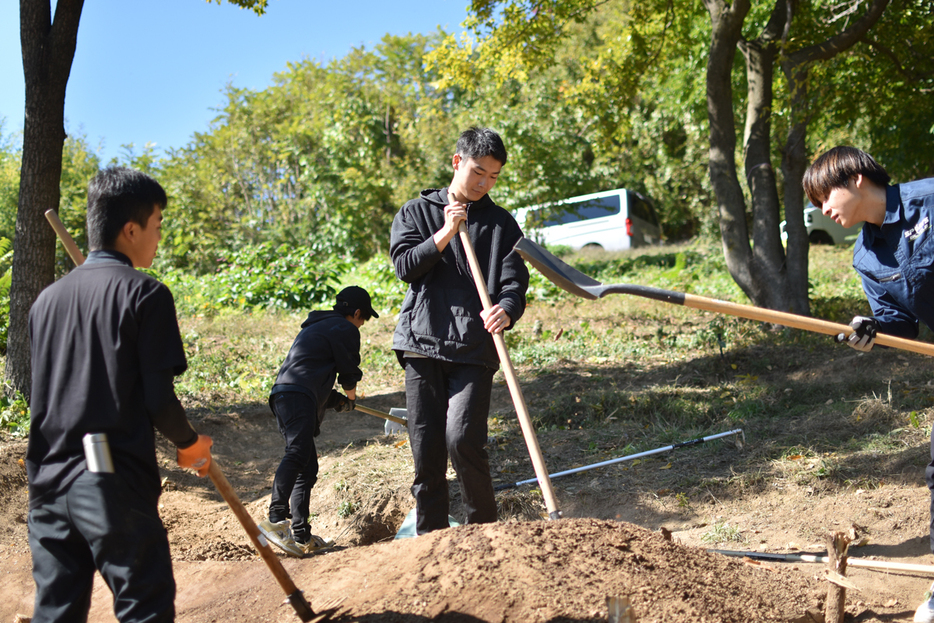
(917, 230)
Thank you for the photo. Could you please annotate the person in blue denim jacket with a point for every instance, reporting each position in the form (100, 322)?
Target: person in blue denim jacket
(894, 255)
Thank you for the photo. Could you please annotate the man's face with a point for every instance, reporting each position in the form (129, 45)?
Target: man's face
(474, 178)
(843, 204)
(148, 240)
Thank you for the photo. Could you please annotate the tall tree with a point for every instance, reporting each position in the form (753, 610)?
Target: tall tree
(48, 47)
(760, 268)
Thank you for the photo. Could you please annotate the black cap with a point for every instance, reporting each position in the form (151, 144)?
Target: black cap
(353, 298)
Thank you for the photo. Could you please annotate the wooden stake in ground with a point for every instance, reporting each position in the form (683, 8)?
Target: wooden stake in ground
(837, 545)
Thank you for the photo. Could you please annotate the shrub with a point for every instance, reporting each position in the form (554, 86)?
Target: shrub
(264, 276)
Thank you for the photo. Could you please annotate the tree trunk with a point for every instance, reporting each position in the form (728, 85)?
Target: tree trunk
(794, 155)
(759, 269)
(794, 163)
(727, 22)
(48, 50)
(769, 276)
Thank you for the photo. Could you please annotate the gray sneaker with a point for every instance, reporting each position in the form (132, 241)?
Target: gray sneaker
(316, 544)
(925, 612)
(280, 535)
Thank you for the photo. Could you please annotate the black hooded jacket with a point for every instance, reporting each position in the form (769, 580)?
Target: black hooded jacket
(327, 348)
(440, 315)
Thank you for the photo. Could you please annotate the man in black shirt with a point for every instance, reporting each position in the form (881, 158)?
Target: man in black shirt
(326, 349)
(105, 348)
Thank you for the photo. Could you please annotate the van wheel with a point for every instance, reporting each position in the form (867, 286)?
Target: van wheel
(820, 237)
(591, 246)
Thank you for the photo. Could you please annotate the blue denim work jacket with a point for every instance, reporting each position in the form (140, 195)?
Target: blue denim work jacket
(896, 260)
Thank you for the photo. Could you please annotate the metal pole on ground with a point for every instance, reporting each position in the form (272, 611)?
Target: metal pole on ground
(628, 457)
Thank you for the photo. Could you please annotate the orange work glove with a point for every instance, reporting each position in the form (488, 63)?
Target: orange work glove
(197, 456)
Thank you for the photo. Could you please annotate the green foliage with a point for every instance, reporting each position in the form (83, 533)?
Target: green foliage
(346, 509)
(264, 276)
(723, 532)
(323, 159)
(6, 270)
(378, 277)
(591, 96)
(79, 165)
(14, 415)
(10, 163)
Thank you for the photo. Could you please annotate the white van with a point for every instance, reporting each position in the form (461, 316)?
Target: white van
(613, 220)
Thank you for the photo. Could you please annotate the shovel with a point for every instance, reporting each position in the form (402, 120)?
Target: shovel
(577, 283)
(512, 380)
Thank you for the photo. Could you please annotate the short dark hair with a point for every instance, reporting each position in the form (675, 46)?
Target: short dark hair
(116, 196)
(836, 167)
(476, 142)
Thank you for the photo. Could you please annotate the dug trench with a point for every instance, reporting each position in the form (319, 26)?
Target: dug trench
(781, 491)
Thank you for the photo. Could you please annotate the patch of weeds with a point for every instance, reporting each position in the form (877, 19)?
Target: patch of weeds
(795, 453)
(14, 415)
(723, 532)
(865, 482)
(341, 486)
(878, 443)
(346, 509)
(682, 499)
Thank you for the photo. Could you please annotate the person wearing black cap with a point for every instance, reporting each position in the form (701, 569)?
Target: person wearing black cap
(326, 349)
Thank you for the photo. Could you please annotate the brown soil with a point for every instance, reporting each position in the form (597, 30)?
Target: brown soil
(610, 544)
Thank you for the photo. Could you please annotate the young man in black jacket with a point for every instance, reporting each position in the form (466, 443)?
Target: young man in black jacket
(443, 337)
(327, 348)
(105, 349)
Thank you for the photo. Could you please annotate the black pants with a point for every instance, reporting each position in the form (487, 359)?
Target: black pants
(100, 522)
(448, 405)
(297, 416)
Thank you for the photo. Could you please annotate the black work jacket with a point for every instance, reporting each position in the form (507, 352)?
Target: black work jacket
(440, 316)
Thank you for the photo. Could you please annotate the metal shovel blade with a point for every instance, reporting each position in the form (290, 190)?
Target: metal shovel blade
(572, 280)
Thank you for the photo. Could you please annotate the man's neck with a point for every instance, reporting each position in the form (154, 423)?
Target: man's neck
(874, 203)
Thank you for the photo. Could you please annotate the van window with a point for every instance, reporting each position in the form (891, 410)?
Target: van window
(640, 209)
(573, 212)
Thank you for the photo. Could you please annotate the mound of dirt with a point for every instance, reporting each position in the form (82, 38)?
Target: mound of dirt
(554, 571)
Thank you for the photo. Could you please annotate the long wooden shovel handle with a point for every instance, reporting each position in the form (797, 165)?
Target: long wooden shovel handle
(525, 420)
(800, 322)
(385, 416)
(67, 241)
(295, 596)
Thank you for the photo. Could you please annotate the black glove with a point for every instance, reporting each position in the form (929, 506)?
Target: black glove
(864, 333)
(339, 402)
(346, 405)
(334, 399)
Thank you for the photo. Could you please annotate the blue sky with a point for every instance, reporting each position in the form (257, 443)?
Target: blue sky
(150, 71)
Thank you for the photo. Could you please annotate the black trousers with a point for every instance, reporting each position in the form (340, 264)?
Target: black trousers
(448, 405)
(297, 416)
(101, 522)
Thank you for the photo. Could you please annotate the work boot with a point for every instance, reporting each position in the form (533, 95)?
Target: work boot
(280, 535)
(315, 544)
(925, 612)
